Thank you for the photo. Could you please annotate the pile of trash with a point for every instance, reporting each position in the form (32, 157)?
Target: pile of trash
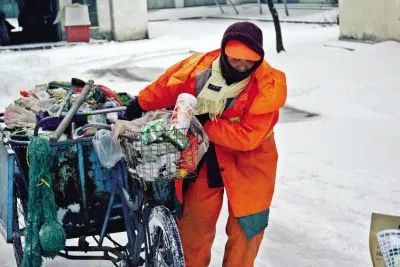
(162, 144)
(54, 100)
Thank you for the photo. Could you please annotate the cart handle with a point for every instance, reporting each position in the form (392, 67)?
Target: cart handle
(99, 111)
(97, 126)
(92, 112)
(71, 113)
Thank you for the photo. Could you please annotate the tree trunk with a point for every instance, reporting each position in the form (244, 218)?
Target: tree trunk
(274, 13)
(286, 9)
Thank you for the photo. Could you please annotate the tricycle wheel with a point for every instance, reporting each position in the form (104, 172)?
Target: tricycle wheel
(20, 209)
(165, 243)
(18, 249)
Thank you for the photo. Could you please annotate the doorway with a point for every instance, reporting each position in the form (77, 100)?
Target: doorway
(34, 21)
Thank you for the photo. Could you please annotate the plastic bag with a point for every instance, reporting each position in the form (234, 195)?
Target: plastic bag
(108, 151)
(389, 243)
(16, 116)
(380, 222)
(34, 104)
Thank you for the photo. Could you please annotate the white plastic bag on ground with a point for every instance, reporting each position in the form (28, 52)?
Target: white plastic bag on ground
(108, 151)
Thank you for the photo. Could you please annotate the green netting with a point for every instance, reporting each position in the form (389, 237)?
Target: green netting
(44, 236)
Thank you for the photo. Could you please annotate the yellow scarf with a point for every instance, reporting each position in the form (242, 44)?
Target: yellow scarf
(212, 98)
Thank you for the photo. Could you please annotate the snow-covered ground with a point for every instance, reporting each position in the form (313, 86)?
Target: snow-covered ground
(334, 170)
(298, 13)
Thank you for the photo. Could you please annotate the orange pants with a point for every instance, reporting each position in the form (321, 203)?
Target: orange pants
(201, 209)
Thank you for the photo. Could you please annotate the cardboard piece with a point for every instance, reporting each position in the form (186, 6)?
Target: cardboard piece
(380, 222)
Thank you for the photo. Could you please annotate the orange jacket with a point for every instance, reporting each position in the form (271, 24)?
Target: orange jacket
(243, 135)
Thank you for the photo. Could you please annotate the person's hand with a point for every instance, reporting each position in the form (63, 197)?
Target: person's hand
(134, 110)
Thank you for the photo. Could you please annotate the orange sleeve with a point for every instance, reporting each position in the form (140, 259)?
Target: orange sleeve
(163, 92)
(245, 135)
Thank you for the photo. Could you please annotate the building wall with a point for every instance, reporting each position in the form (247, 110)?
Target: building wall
(189, 3)
(370, 20)
(315, 1)
(129, 19)
(122, 20)
(288, 1)
(61, 29)
(157, 4)
(393, 28)
(104, 19)
(263, 1)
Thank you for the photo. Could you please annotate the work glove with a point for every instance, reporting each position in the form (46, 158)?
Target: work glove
(134, 110)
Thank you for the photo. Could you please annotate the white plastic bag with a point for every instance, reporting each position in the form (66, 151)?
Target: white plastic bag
(379, 224)
(108, 151)
(34, 104)
(16, 116)
(389, 243)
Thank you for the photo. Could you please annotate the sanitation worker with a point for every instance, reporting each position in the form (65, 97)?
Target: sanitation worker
(238, 100)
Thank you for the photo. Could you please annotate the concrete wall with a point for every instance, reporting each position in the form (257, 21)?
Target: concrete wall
(289, 1)
(370, 20)
(157, 4)
(129, 19)
(179, 3)
(263, 1)
(190, 3)
(393, 22)
(61, 29)
(315, 1)
(104, 19)
(123, 20)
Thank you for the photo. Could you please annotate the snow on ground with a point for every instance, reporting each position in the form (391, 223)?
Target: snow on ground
(302, 12)
(334, 170)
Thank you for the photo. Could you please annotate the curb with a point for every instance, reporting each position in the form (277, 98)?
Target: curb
(270, 20)
(44, 46)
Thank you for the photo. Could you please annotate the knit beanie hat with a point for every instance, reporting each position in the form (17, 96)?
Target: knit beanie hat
(250, 35)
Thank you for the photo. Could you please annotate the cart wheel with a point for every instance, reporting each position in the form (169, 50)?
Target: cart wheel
(165, 243)
(20, 209)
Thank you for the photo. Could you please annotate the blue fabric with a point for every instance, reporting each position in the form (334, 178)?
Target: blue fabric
(163, 190)
(255, 223)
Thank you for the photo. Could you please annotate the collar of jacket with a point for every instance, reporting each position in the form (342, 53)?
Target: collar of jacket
(271, 83)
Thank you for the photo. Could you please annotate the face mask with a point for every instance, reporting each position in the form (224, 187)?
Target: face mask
(230, 74)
